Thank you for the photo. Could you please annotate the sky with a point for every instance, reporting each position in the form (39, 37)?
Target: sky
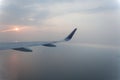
(93, 53)
(97, 20)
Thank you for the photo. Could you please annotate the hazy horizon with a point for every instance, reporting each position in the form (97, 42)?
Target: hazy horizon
(92, 54)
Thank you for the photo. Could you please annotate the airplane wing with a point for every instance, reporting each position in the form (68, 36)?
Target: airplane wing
(22, 46)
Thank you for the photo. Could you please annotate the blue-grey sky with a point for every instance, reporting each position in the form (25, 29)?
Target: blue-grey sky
(92, 54)
(97, 20)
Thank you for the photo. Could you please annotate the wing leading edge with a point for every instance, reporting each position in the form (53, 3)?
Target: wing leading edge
(21, 46)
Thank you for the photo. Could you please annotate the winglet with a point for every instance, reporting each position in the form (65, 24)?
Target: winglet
(69, 37)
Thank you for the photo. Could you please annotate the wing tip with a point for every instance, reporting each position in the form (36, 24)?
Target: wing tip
(69, 37)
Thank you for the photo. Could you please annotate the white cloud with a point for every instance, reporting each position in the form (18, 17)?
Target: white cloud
(96, 19)
(20, 12)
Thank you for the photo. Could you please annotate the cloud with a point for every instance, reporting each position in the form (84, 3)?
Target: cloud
(14, 14)
(87, 15)
(34, 13)
(106, 6)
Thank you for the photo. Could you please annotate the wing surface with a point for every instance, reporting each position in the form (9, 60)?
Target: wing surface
(21, 46)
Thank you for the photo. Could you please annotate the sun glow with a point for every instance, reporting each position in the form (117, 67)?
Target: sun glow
(11, 29)
(16, 29)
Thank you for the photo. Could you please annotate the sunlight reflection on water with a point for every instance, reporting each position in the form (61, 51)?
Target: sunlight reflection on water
(63, 62)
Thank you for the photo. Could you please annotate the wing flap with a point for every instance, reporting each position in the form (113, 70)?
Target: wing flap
(49, 45)
(22, 49)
